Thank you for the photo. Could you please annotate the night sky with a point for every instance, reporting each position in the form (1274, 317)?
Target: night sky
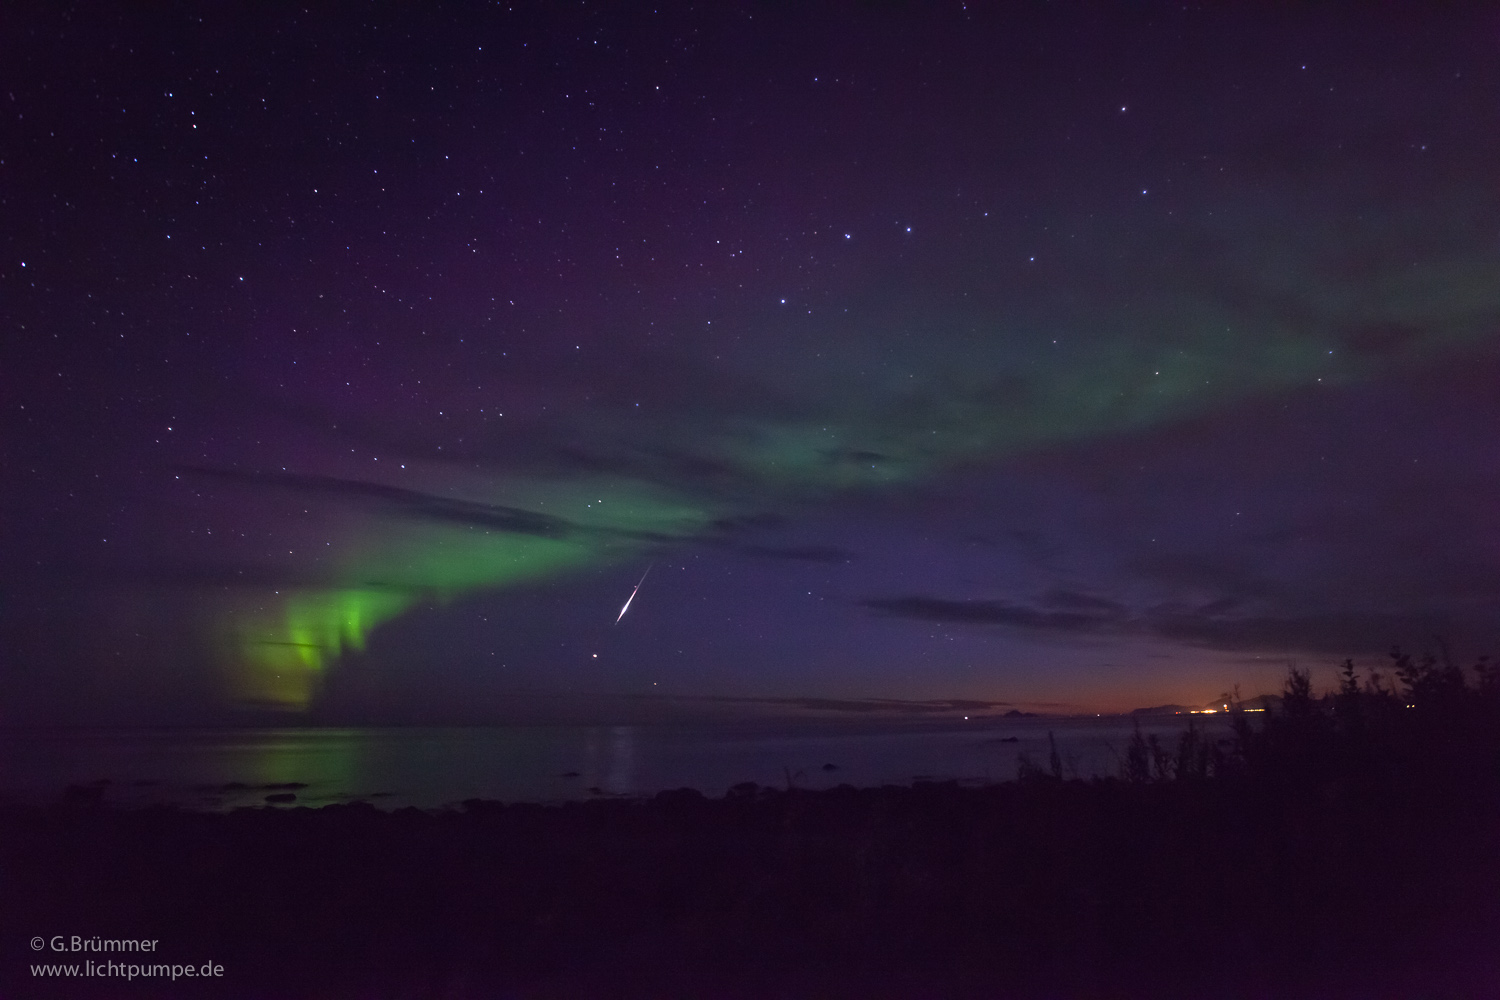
(357, 363)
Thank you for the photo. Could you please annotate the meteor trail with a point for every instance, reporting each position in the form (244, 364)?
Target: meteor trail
(632, 595)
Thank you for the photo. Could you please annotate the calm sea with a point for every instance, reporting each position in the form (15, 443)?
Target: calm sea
(435, 767)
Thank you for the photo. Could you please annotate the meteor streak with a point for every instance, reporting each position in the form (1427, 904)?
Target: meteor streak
(632, 595)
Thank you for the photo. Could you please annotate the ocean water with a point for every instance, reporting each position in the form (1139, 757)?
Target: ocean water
(436, 767)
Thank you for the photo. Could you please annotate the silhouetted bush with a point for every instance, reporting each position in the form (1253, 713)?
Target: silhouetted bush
(1430, 726)
(1195, 758)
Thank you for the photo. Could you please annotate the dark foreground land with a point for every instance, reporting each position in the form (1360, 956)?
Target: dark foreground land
(1325, 855)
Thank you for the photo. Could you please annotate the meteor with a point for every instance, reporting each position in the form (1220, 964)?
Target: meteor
(632, 595)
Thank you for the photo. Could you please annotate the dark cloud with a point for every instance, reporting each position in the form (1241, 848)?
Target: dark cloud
(751, 521)
(1072, 600)
(1215, 573)
(990, 613)
(1213, 625)
(426, 506)
(874, 705)
(831, 554)
(1337, 633)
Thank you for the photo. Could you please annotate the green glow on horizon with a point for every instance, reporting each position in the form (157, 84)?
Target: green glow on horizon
(282, 651)
(284, 648)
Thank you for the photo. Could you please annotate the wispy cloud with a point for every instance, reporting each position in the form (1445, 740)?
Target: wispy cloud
(1216, 624)
(431, 507)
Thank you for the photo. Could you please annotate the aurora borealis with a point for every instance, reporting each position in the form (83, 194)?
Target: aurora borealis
(359, 361)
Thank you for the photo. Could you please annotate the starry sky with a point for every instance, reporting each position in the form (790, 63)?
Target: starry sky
(358, 362)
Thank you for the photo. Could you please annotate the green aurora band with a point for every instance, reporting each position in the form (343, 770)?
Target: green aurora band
(1286, 307)
(282, 646)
